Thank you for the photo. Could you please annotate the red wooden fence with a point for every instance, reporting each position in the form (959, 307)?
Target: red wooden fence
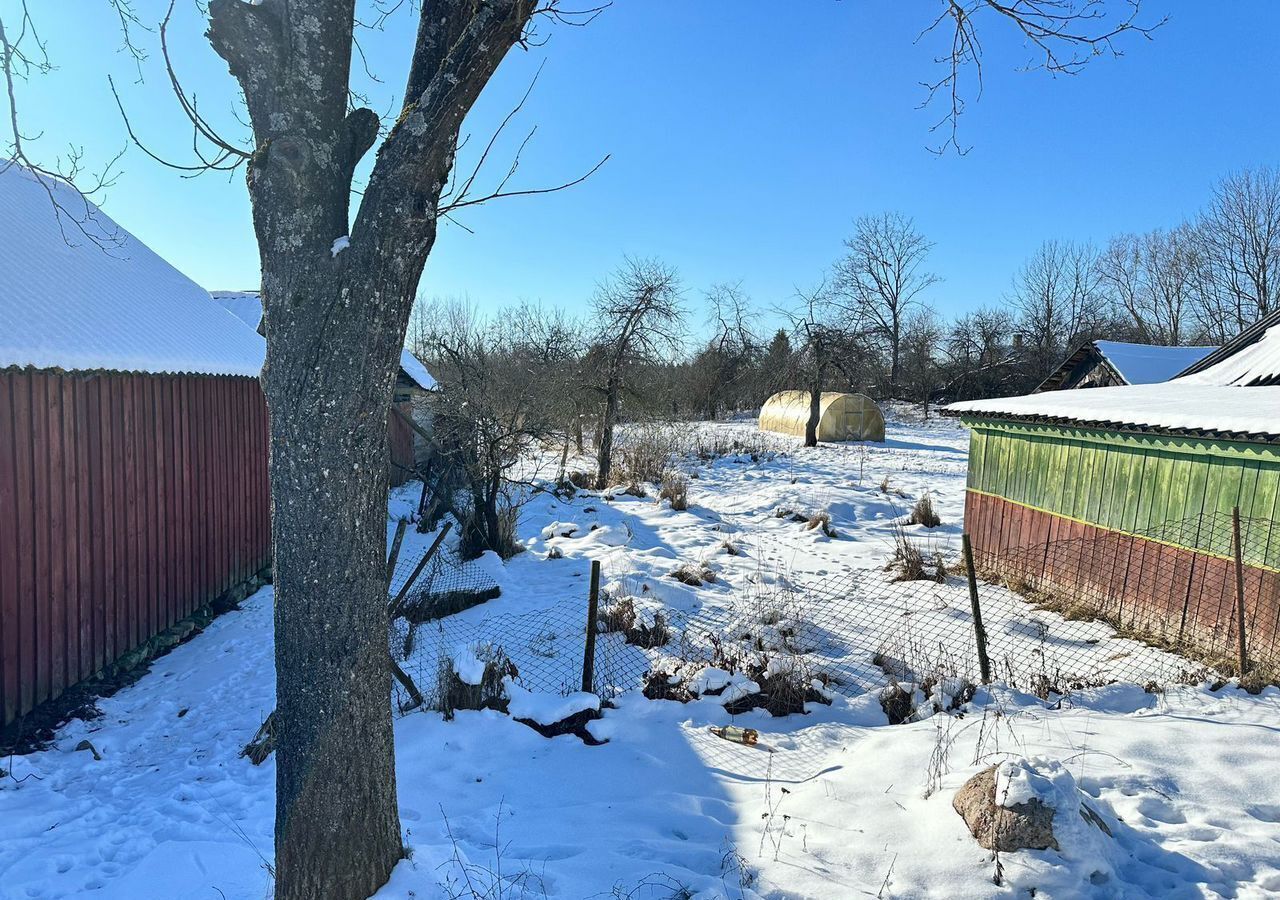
(400, 445)
(127, 502)
(1184, 596)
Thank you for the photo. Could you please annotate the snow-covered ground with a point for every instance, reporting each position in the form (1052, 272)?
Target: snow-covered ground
(834, 803)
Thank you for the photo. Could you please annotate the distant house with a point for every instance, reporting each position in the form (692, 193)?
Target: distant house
(1136, 485)
(133, 445)
(1112, 363)
(414, 385)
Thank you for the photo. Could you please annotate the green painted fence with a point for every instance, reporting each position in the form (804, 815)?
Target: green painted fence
(1179, 490)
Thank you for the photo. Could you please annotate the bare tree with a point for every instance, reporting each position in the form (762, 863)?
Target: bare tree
(1240, 231)
(881, 277)
(721, 371)
(1059, 300)
(1153, 280)
(921, 345)
(337, 292)
(980, 359)
(497, 402)
(824, 342)
(637, 317)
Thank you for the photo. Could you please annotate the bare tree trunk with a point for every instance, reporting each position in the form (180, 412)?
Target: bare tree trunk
(564, 454)
(337, 295)
(607, 423)
(815, 412)
(337, 826)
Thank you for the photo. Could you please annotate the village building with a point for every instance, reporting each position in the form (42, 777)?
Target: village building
(133, 446)
(1089, 493)
(1112, 363)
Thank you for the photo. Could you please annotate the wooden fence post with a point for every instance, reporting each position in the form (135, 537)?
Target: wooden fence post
(979, 633)
(393, 608)
(1241, 649)
(589, 649)
(395, 548)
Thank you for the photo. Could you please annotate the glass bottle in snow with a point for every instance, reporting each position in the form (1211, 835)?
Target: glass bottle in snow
(738, 735)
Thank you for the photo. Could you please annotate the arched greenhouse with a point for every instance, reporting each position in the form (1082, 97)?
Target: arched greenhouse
(841, 417)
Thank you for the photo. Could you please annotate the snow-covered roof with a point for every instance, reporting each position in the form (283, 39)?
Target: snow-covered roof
(1252, 358)
(68, 301)
(247, 306)
(244, 305)
(1175, 407)
(1147, 363)
(412, 367)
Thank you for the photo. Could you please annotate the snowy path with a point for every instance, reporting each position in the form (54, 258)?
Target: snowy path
(837, 809)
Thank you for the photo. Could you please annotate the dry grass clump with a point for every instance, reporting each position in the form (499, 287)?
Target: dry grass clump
(474, 539)
(923, 512)
(821, 520)
(886, 487)
(786, 685)
(909, 563)
(452, 693)
(1260, 677)
(583, 481)
(660, 684)
(263, 742)
(730, 548)
(620, 617)
(694, 574)
(675, 488)
(811, 521)
(616, 617)
(635, 488)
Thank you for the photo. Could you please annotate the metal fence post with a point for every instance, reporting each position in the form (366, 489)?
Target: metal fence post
(589, 649)
(979, 633)
(1241, 649)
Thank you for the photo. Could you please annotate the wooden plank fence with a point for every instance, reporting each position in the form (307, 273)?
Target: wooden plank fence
(127, 502)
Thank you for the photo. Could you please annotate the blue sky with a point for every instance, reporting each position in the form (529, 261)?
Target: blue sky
(745, 137)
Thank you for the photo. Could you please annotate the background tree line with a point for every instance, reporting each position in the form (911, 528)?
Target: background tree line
(649, 347)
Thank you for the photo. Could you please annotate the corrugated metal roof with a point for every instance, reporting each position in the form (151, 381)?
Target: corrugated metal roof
(1175, 407)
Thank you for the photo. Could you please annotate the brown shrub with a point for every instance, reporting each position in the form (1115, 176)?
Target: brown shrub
(821, 520)
(923, 513)
(452, 693)
(675, 488)
(620, 617)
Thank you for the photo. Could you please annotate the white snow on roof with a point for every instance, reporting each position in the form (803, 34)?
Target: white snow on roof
(244, 305)
(1173, 406)
(1258, 360)
(247, 306)
(1148, 364)
(68, 302)
(416, 371)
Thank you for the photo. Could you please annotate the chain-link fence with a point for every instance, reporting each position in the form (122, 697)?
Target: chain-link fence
(1059, 620)
(1180, 584)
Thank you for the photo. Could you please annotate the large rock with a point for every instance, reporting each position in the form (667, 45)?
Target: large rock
(1017, 826)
